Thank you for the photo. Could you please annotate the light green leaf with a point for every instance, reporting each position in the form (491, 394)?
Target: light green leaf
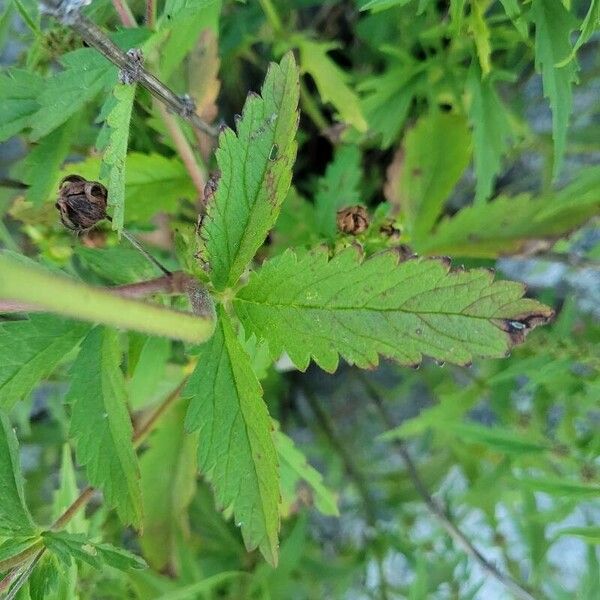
(312, 306)
(591, 535)
(256, 170)
(119, 558)
(331, 80)
(18, 100)
(31, 349)
(44, 578)
(236, 453)
(481, 35)
(380, 5)
(590, 24)
(168, 470)
(117, 265)
(560, 488)
(491, 132)
(153, 183)
(294, 469)
(338, 188)
(14, 514)
(505, 225)
(101, 426)
(115, 153)
(513, 11)
(149, 371)
(61, 295)
(436, 152)
(553, 26)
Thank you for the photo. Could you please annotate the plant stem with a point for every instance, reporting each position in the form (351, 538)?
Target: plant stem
(196, 173)
(310, 107)
(436, 509)
(124, 12)
(150, 13)
(272, 15)
(355, 475)
(84, 497)
(93, 36)
(138, 246)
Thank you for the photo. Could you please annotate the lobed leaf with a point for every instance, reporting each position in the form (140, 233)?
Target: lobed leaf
(236, 452)
(31, 349)
(18, 101)
(101, 426)
(14, 514)
(115, 152)
(256, 171)
(553, 26)
(312, 306)
(506, 225)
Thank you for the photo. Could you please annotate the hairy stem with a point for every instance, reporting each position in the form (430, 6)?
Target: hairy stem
(124, 12)
(93, 36)
(150, 13)
(436, 509)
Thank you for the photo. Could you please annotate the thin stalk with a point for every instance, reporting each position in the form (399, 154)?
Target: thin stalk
(138, 246)
(196, 172)
(94, 36)
(271, 15)
(23, 576)
(150, 13)
(124, 12)
(311, 108)
(436, 509)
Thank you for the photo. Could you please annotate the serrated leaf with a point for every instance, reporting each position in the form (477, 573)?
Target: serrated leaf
(560, 488)
(31, 349)
(168, 471)
(380, 5)
(481, 35)
(498, 438)
(101, 426)
(505, 225)
(313, 307)
(553, 26)
(236, 452)
(119, 558)
(117, 265)
(294, 469)
(338, 188)
(18, 100)
(256, 171)
(590, 24)
(14, 514)
(331, 81)
(45, 578)
(153, 183)
(115, 153)
(436, 152)
(491, 132)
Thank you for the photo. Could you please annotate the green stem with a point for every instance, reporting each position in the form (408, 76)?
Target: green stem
(272, 16)
(311, 108)
(61, 295)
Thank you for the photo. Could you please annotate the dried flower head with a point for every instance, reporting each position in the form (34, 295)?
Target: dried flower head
(353, 220)
(81, 203)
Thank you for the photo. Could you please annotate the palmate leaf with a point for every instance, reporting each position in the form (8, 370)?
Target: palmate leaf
(31, 349)
(310, 306)
(256, 171)
(14, 514)
(506, 225)
(553, 26)
(101, 426)
(236, 452)
(115, 152)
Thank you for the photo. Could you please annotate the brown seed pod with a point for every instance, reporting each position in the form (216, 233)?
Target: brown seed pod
(81, 203)
(352, 220)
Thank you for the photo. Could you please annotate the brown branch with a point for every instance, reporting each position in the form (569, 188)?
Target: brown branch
(436, 509)
(68, 13)
(124, 13)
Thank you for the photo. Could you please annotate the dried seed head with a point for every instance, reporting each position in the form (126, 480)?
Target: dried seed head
(211, 187)
(352, 220)
(81, 203)
(389, 229)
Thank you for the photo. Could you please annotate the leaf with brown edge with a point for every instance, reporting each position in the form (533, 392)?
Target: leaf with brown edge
(315, 307)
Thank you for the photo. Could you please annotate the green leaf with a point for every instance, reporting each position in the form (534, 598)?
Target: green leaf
(168, 470)
(18, 100)
(553, 26)
(331, 80)
(153, 183)
(236, 453)
(591, 535)
(256, 170)
(117, 265)
(42, 165)
(505, 225)
(379, 5)
(491, 132)
(31, 349)
(115, 153)
(119, 558)
(560, 488)
(388, 98)
(295, 469)
(45, 578)
(498, 438)
(101, 426)
(31, 284)
(149, 371)
(13, 550)
(338, 188)
(431, 169)
(481, 34)
(310, 306)
(589, 25)
(14, 514)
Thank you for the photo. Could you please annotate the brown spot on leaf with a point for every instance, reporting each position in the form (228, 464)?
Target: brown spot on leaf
(518, 329)
(353, 220)
(404, 252)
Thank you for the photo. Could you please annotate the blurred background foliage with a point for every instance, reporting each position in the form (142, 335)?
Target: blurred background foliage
(469, 128)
